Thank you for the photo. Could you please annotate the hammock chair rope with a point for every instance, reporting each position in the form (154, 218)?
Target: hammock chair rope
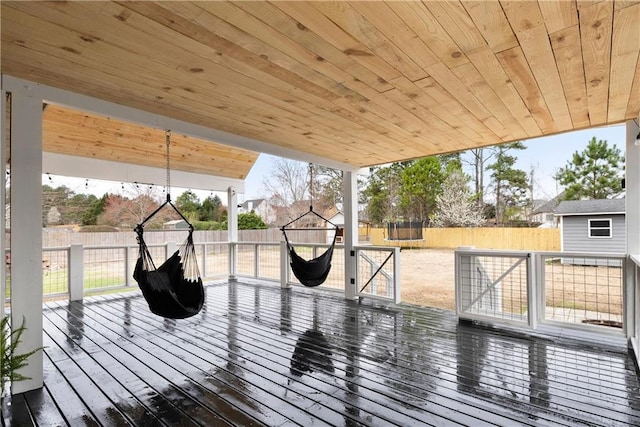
(167, 142)
(311, 272)
(174, 290)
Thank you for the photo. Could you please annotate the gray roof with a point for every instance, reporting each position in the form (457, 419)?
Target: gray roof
(549, 206)
(584, 207)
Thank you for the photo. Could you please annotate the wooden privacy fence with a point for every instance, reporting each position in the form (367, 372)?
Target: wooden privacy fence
(52, 237)
(534, 239)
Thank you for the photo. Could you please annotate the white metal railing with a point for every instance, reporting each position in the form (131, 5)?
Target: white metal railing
(55, 272)
(582, 291)
(335, 279)
(213, 259)
(77, 270)
(258, 260)
(492, 285)
(378, 272)
(377, 269)
(633, 302)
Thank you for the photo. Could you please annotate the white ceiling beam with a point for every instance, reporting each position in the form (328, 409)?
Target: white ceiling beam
(89, 104)
(84, 167)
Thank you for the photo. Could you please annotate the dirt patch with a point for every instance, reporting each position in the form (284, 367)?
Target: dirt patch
(427, 277)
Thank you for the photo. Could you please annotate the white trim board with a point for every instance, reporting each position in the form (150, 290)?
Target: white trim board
(84, 167)
(77, 101)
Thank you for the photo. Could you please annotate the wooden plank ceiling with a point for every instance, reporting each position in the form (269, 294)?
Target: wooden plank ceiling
(67, 131)
(362, 83)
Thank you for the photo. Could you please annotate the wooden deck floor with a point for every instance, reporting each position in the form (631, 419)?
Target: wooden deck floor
(257, 355)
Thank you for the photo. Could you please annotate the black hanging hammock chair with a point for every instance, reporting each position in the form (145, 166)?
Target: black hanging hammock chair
(311, 272)
(174, 290)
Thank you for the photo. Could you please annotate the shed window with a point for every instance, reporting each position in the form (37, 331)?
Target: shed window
(599, 228)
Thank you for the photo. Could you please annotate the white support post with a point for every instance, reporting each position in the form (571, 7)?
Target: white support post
(232, 221)
(463, 263)
(203, 261)
(284, 265)
(26, 232)
(3, 213)
(632, 219)
(396, 276)
(127, 267)
(533, 292)
(256, 261)
(350, 195)
(76, 273)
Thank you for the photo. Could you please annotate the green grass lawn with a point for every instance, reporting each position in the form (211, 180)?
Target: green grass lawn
(55, 282)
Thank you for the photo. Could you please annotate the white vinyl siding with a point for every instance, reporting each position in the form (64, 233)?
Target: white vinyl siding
(600, 228)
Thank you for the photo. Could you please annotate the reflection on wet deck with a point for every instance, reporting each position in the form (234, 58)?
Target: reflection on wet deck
(257, 355)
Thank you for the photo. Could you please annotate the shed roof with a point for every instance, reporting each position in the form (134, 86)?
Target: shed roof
(586, 207)
(175, 222)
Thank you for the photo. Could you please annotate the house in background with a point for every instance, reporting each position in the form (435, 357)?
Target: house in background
(176, 224)
(336, 217)
(596, 226)
(544, 213)
(260, 207)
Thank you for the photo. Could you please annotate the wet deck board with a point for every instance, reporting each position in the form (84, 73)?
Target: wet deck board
(257, 355)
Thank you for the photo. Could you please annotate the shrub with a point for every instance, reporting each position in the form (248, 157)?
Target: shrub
(12, 362)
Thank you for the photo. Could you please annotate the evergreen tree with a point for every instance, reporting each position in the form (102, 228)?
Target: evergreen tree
(250, 221)
(407, 190)
(55, 197)
(511, 184)
(595, 173)
(90, 216)
(421, 185)
(381, 193)
(211, 209)
(376, 200)
(422, 182)
(69, 206)
(189, 205)
(76, 206)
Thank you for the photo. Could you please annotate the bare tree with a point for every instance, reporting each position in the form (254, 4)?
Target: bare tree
(327, 186)
(288, 182)
(479, 158)
(287, 188)
(292, 186)
(124, 211)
